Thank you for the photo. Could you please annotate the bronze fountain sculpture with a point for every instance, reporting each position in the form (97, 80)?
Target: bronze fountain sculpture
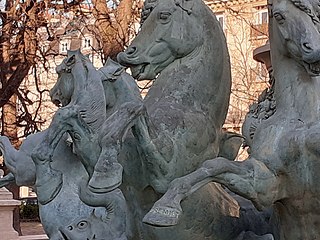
(129, 155)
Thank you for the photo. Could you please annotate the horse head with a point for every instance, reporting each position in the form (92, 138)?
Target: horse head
(296, 25)
(171, 31)
(63, 91)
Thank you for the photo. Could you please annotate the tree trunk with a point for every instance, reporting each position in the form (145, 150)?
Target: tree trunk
(113, 27)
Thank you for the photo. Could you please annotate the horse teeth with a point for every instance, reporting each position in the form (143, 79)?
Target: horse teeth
(315, 67)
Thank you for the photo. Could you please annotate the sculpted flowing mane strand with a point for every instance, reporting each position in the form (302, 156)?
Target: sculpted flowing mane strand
(304, 5)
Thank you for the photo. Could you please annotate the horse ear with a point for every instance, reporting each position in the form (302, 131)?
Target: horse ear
(111, 62)
(111, 70)
(185, 5)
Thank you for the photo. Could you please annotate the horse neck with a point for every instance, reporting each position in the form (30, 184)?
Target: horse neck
(88, 95)
(80, 83)
(297, 94)
(119, 92)
(198, 81)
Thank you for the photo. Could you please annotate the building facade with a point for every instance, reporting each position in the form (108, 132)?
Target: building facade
(245, 24)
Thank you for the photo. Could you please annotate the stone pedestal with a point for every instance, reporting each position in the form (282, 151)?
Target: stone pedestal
(7, 205)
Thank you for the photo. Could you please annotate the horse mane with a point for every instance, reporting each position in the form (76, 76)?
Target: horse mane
(91, 100)
(148, 6)
(84, 59)
(305, 6)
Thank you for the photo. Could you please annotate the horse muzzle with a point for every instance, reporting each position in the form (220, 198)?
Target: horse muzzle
(127, 60)
(313, 69)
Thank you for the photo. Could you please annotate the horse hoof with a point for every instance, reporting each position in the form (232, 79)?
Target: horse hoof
(103, 182)
(162, 216)
(48, 190)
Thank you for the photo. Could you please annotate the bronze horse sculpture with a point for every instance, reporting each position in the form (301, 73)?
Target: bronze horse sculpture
(186, 106)
(178, 126)
(282, 169)
(66, 160)
(176, 129)
(83, 115)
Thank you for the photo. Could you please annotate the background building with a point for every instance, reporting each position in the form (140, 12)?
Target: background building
(245, 24)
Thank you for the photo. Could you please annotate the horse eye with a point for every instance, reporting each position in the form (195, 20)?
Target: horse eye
(82, 224)
(76, 136)
(164, 16)
(279, 17)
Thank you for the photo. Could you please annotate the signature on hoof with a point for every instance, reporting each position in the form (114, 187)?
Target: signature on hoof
(162, 216)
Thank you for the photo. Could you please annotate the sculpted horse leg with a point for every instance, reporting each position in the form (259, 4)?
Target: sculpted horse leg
(159, 167)
(250, 179)
(107, 173)
(104, 171)
(49, 180)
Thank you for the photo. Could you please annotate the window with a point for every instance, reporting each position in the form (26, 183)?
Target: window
(220, 18)
(260, 28)
(64, 46)
(263, 16)
(87, 42)
(44, 48)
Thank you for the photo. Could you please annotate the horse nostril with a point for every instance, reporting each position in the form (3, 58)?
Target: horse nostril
(307, 47)
(131, 50)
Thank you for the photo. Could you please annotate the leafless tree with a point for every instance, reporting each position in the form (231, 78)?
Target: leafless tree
(249, 78)
(25, 25)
